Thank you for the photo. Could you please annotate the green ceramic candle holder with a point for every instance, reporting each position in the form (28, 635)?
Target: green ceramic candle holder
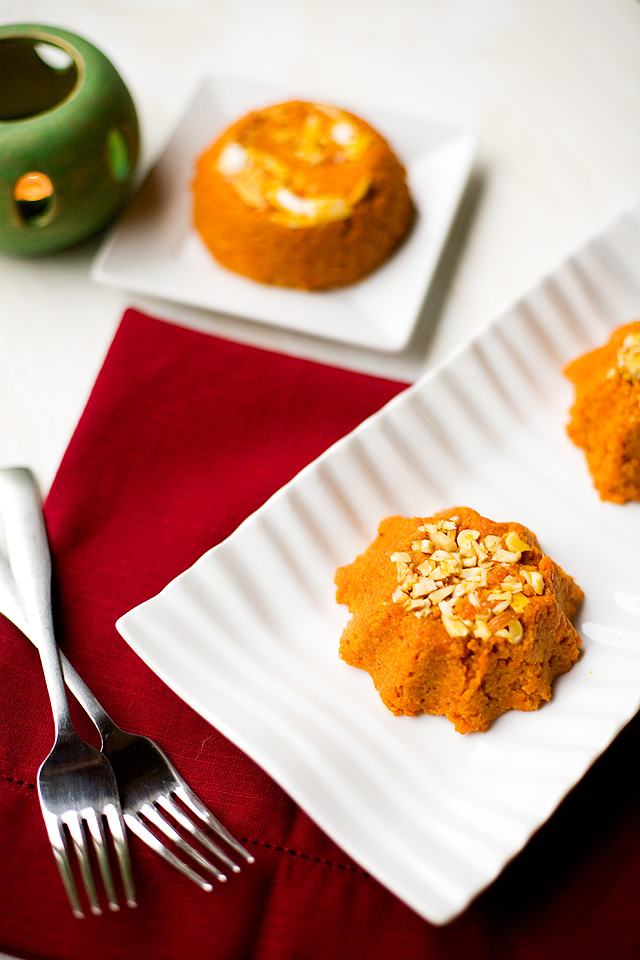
(69, 139)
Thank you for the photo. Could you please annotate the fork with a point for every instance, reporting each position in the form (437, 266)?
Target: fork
(76, 786)
(148, 783)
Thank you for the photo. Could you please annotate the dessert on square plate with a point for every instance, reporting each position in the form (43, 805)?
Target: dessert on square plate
(301, 195)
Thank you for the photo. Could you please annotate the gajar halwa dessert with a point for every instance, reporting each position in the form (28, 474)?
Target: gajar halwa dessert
(605, 417)
(301, 195)
(458, 615)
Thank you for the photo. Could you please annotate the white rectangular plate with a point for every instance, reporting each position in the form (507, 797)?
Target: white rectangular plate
(155, 250)
(249, 635)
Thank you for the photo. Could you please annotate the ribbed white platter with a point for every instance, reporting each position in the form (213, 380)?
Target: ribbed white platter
(249, 635)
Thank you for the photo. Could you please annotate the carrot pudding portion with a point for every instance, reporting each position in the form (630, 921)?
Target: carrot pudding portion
(460, 616)
(301, 195)
(605, 417)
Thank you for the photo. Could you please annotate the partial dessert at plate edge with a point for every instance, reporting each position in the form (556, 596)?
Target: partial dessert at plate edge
(301, 195)
(605, 416)
(460, 616)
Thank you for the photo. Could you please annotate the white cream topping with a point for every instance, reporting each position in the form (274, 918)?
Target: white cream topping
(343, 133)
(232, 160)
(293, 203)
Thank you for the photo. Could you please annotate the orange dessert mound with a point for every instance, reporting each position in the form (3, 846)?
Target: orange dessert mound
(605, 417)
(458, 615)
(301, 195)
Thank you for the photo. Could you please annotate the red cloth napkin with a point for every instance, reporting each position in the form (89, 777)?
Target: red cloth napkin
(183, 436)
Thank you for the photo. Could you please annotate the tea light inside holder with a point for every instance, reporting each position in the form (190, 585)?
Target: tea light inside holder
(69, 139)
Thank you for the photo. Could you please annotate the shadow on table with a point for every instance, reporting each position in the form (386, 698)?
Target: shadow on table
(445, 273)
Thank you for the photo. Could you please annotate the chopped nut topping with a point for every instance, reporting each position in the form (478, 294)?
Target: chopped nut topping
(502, 620)
(628, 359)
(440, 594)
(455, 627)
(534, 578)
(449, 567)
(515, 631)
(519, 602)
(401, 557)
(481, 629)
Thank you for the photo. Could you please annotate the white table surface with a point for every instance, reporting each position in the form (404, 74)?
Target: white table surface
(552, 87)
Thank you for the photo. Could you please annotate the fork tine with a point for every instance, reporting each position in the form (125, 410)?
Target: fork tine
(152, 814)
(195, 831)
(76, 832)
(136, 826)
(191, 800)
(116, 826)
(56, 839)
(99, 845)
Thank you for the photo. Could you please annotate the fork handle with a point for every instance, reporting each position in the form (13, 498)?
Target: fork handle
(30, 558)
(11, 606)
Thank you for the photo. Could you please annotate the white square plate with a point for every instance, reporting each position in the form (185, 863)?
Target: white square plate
(253, 646)
(155, 250)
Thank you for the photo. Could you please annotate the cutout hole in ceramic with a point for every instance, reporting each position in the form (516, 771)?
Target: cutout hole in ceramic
(34, 198)
(118, 154)
(35, 77)
(55, 57)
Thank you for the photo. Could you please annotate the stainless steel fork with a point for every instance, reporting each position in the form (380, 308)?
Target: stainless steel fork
(152, 792)
(76, 785)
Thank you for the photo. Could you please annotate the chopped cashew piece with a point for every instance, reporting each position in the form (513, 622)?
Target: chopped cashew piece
(449, 567)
